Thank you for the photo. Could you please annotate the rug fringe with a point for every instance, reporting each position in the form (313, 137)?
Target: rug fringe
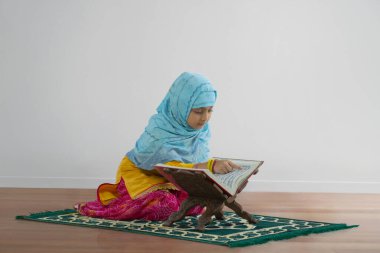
(289, 235)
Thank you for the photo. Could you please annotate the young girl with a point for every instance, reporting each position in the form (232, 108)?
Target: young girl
(177, 135)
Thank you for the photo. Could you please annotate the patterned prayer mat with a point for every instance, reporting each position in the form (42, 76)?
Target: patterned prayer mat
(233, 231)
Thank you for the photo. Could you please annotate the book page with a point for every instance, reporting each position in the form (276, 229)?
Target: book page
(236, 177)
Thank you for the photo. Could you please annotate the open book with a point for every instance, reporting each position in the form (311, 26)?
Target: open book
(230, 183)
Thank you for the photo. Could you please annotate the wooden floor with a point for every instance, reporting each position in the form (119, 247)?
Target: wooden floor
(27, 236)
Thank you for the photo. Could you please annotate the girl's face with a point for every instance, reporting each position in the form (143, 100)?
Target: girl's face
(198, 117)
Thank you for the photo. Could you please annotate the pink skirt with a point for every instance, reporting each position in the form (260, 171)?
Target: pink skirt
(157, 205)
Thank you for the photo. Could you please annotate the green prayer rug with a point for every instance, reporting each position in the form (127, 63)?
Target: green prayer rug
(232, 232)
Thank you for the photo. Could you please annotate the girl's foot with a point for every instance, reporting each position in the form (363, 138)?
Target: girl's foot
(78, 206)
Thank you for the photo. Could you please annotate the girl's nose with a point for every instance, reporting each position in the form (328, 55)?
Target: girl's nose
(205, 116)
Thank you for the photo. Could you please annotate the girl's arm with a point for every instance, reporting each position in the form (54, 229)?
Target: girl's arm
(180, 164)
(189, 165)
(215, 166)
(218, 166)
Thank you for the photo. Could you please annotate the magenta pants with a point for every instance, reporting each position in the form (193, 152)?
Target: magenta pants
(157, 205)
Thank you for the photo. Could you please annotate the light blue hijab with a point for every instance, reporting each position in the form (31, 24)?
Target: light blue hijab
(168, 136)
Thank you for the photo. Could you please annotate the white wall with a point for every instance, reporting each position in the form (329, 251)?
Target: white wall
(298, 86)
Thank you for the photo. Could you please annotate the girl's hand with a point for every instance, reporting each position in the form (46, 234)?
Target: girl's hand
(224, 166)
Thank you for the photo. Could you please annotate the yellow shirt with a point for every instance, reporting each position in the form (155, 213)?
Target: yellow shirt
(137, 181)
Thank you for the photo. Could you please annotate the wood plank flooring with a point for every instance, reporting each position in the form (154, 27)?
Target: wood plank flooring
(18, 236)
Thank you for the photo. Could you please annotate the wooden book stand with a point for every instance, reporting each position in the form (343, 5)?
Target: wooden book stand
(204, 192)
